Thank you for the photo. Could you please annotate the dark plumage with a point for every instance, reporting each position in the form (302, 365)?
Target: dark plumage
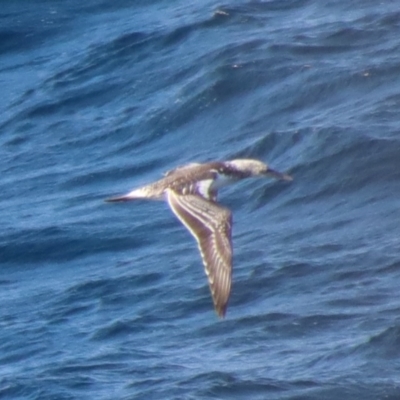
(191, 192)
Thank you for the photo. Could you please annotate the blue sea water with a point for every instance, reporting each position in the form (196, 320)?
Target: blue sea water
(106, 301)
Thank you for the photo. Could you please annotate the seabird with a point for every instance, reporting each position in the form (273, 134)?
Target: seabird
(191, 192)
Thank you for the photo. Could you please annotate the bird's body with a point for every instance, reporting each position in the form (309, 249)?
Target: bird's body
(191, 192)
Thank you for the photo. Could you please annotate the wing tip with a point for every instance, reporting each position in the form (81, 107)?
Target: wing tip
(221, 310)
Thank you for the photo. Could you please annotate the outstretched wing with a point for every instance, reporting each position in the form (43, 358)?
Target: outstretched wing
(211, 225)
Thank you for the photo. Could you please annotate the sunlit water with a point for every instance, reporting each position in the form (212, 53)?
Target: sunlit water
(102, 301)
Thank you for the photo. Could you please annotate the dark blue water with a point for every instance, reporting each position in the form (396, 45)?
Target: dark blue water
(102, 301)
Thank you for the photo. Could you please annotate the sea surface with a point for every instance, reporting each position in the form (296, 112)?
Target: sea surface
(110, 301)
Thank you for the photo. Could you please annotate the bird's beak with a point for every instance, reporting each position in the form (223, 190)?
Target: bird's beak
(278, 175)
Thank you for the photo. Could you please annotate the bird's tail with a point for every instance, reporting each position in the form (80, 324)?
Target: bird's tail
(117, 198)
(134, 195)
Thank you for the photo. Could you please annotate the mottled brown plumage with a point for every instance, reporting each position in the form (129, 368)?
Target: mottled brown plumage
(191, 192)
(211, 226)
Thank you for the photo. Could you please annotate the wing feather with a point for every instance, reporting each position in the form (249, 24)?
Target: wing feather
(211, 226)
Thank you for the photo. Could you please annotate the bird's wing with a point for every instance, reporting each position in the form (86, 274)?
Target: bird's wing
(211, 225)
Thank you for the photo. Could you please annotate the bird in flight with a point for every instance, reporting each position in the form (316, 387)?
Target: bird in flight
(191, 193)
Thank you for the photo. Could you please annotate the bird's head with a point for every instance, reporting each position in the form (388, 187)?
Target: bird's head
(256, 168)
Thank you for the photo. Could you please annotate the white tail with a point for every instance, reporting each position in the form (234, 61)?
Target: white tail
(135, 194)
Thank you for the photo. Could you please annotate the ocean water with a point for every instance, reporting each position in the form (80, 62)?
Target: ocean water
(110, 301)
